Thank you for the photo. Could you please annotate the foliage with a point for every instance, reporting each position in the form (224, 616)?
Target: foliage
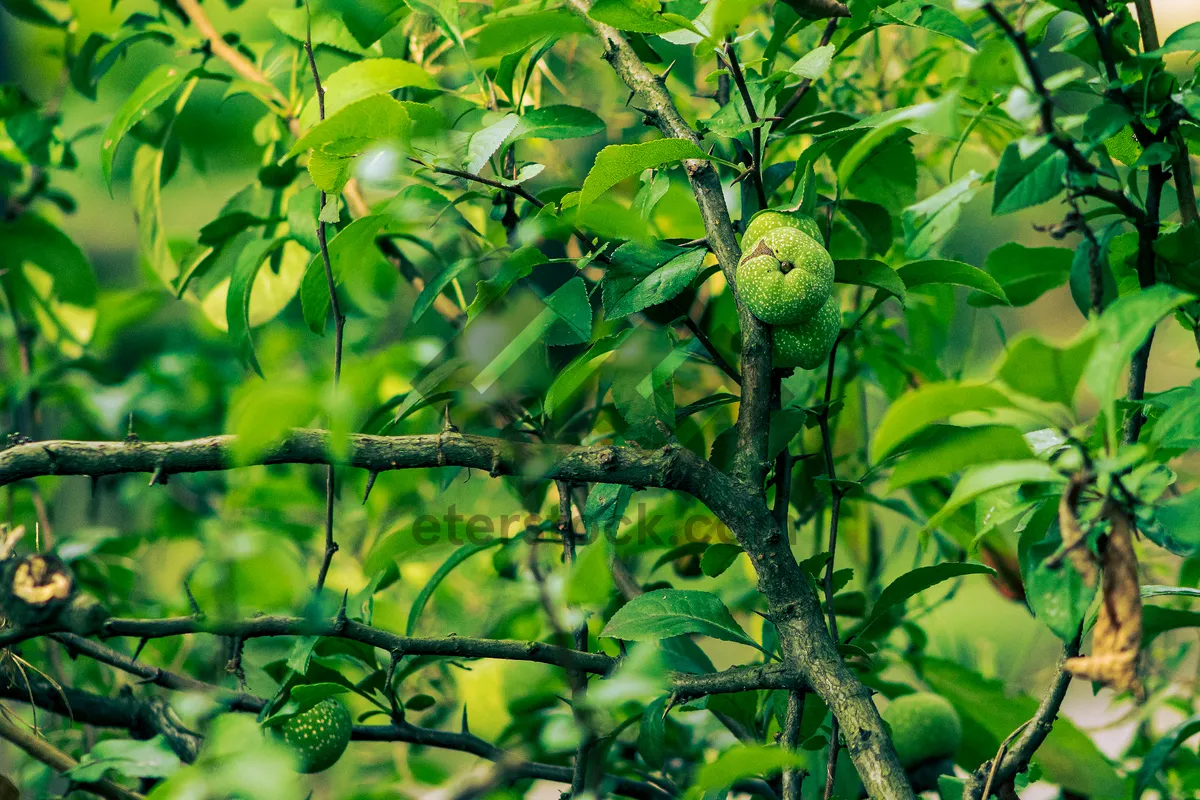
(433, 347)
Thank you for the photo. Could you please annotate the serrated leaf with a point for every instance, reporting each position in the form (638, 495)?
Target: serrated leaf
(640, 16)
(434, 287)
(1058, 596)
(354, 128)
(815, 63)
(484, 143)
(644, 275)
(152, 92)
(1024, 182)
(617, 162)
(675, 612)
(719, 557)
(558, 122)
(573, 310)
(929, 16)
(954, 273)
(361, 79)
(353, 243)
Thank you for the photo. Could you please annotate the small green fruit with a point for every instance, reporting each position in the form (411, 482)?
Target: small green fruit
(319, 735)
(785, 277)
(924, 727)
(765, 221)
(808, 344)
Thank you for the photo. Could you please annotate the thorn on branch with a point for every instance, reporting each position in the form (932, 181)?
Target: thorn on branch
(159, 477)
(130, 433)
(197, 612)
(341, 620)
(371, 476)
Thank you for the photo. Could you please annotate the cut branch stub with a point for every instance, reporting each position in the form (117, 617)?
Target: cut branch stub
(35, 589)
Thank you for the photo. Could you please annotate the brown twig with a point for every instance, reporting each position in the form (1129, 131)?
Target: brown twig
(222, 50)
(739, 80)
(59, 761)
(339, 319)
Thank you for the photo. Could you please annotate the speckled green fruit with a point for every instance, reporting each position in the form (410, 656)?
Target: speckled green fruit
(785, 277)
(766, 221)
(808, 344)
(924, 727)
(319, 735)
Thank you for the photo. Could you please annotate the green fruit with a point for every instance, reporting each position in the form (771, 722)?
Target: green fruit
(319, 735)
(808, 344)
(924, 727)
(785, 277)
(766, 221)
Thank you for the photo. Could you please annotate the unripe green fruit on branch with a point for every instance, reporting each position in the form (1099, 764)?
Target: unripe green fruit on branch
(785, 277)
(806, 345)
(766, 221)
(319, 735)
(924, 727)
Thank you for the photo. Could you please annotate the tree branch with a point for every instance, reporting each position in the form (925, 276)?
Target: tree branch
(236, 61)
(1019, 753)
(806, 84)
(57, 760)
(739, 80)
(750, 462)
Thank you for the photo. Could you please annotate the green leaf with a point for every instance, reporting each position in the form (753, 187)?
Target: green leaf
(590, 582)
(955, 273)
(368, 20)
(675, 612)
(325, 27)
(644, 275)
(568, 382)
(362, 79)
(571, 305)
(147, 201)
(926, 223)
(355, 127)
(815, 63)
(652, 734)
(1157, 756)
(152, 758)
(745, 761)
(1057, 596)
(1036, 368)
(263, 412)
(931, 403)
(153, 91)
(1025, 273)
(640, 16)
(86, 71)
(1176, 524)
(484, 143)
(237, 301)
(434, 287)
(912, 583)
(347, 250)
(719, 557)
(1022, 182)
(929, 16)
(449, 565)
(517, 266)
(868, 272)
(617, 162)
(980, 480)
(558, 122)
(329, 173)
(512, 34)
(1120, 331)
(1186, 39)
(946, 449)
(990, 712)
(605, 507)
